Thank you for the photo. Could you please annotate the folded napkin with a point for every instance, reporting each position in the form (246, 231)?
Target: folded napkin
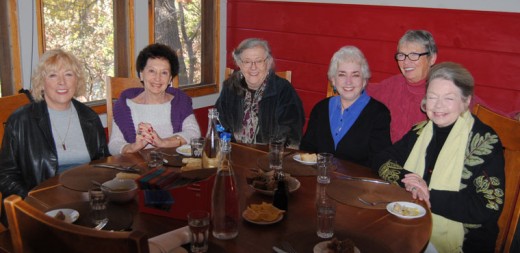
(169, 242)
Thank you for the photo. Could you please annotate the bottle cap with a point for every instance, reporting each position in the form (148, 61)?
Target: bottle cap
(225, 136)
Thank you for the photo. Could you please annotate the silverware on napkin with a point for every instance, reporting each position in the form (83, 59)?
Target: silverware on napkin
(375, 181)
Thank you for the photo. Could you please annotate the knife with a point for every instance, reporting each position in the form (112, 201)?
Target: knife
(278, 250)
(362, 179)
(116, 167)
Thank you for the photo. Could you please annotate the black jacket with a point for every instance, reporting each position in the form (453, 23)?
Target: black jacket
(29, 157)
(280, 110)
(368, 135)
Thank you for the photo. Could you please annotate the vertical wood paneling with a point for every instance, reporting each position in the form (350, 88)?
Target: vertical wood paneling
(304, 36)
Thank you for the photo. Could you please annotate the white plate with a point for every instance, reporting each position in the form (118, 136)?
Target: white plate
(184, 150)
(322, 246)
(298, 158)
(71, 215)
(390, 209)
(294, 185)
(263, 222)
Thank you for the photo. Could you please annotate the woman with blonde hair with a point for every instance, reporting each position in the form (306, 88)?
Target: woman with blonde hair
(55, 132)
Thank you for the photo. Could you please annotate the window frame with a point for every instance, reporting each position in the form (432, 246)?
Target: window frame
(210, 77)
(10, 46)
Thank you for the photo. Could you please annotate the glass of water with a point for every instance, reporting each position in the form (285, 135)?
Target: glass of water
(325, 165)
(198, 221)
(326, 212)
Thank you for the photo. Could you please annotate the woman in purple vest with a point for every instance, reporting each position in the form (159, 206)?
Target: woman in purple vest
(156, 115)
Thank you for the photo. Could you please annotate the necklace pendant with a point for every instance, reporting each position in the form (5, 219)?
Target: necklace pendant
(63, 146)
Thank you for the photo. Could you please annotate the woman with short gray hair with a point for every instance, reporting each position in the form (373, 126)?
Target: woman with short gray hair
(351, 125)
(255, 104)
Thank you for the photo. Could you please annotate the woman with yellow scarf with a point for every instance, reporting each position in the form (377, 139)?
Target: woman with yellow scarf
(453, 162)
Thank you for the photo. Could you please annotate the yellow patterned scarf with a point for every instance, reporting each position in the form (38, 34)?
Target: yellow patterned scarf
(447, 235)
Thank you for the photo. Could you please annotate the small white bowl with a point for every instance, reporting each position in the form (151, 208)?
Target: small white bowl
(120, 190)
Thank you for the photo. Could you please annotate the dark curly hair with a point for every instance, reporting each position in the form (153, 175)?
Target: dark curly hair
(158, 51)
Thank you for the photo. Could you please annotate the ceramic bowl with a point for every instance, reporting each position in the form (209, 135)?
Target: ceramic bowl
(120, 190)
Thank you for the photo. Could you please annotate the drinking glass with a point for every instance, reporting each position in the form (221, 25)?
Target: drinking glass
(98, 205)
(198, 221)
(276, 148)
(155, 159)
(326, 212)
(197, 144)
(325, 165)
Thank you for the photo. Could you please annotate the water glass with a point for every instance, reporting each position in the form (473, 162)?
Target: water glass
(325, 165)
(155, 159)
(98, 202)
(197, 144)
(326, 212)
(276, 148)
(198, 221)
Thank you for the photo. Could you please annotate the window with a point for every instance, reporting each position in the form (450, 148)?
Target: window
(85, 28)
(189, 26)
(10, 73)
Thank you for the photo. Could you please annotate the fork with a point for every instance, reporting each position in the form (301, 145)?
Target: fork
(375, 203)
(288, 247)
(101, 225)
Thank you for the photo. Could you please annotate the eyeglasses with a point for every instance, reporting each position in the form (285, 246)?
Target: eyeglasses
(249, 64)
(411, 56)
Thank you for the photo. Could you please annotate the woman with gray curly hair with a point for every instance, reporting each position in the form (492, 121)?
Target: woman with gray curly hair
(55, 132)
(257, 105)
(352, 125)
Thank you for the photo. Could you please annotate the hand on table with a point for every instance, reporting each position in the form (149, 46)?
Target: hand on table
(417, 186)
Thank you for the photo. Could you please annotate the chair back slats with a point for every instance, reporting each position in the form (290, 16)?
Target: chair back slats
(283, 74)
(116, 85)
(33, 231)
(508, 131)
(9, 104)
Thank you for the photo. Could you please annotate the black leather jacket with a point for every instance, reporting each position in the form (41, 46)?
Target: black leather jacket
(29, 157)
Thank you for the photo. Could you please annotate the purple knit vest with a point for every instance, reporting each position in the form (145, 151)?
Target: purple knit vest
(181, 108)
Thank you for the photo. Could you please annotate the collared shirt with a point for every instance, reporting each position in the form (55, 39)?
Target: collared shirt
(342, 121)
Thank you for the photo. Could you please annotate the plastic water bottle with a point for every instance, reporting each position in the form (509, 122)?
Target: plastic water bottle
(210, 152)
(225, 203)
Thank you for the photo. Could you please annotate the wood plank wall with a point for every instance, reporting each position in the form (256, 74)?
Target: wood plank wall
(303, 37)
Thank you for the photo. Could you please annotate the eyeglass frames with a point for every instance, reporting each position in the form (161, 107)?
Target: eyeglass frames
(411, 56)
(249, 64)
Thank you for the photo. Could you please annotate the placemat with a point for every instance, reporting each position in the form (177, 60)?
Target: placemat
(289, 166)
(80, 178)
(119, 215)
(348, 191)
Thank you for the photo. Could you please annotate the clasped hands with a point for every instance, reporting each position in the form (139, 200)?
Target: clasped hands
(417, 186)
(147, 135)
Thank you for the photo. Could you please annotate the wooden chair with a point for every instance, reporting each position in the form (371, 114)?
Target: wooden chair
(116, 85)
(330, 90)
(508, 131)
(33, 231)
(9, 104)
(283, 74)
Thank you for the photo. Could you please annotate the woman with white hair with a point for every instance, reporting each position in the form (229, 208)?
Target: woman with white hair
(351, 125)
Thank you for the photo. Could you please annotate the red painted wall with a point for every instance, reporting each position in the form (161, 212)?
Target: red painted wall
(303, 37)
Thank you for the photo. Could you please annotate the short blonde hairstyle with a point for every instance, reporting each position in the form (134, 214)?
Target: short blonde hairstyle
(53, 60)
